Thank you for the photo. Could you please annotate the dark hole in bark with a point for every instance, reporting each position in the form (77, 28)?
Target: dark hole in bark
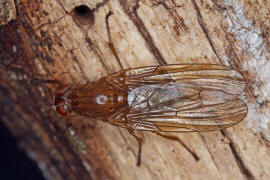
(83, 15)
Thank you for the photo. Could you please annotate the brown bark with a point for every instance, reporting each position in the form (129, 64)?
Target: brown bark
(7, 11)
(55, 41)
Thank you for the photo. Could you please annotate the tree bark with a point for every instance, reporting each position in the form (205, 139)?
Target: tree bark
(66, 41)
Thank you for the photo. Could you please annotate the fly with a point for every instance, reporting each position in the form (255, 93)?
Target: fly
(160, 99)
(169, 98)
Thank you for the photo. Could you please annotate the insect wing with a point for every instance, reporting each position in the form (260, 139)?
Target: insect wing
(192, 115)
(183, 98)
(203, 75)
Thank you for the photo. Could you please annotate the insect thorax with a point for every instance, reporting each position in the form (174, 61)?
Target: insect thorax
(98, 100)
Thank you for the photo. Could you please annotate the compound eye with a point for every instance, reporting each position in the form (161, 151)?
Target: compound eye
(62, 109)
(61, 101)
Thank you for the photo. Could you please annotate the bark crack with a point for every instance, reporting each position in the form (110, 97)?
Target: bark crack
(243, 168)
(204, 28)
(133, 15)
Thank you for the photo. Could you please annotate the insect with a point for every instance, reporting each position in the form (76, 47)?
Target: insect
(167, 98)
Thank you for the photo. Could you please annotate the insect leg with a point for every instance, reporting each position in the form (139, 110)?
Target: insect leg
(110, 43)
(176, 138)
(140, 141)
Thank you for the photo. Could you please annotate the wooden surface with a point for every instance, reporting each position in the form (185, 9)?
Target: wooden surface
(7, 11)
(47, 41)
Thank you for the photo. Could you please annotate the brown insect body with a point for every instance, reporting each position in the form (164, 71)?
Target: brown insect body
(98, 99)
(179, 98)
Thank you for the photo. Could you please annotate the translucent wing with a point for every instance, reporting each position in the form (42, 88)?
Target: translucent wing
(182, 98)
(204, 75)
(201, 115)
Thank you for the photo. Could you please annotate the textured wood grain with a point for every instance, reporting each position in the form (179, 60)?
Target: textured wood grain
(48, 41)
(7, 11)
